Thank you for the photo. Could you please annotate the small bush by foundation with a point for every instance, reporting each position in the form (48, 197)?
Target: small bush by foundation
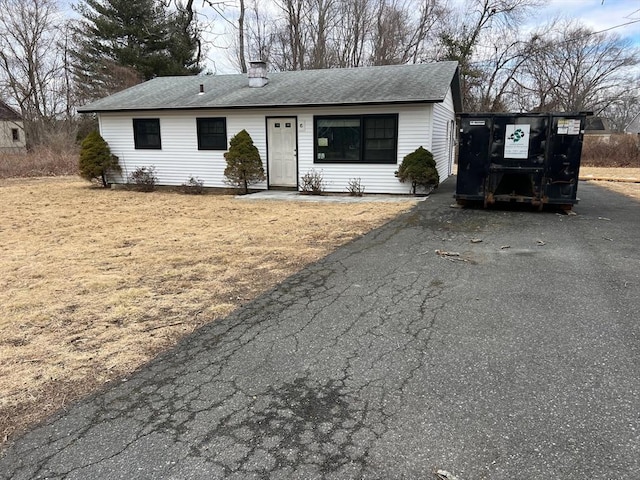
(143, 179)
(355, 188)
(312, 183)
(193, 186)
(244, 165)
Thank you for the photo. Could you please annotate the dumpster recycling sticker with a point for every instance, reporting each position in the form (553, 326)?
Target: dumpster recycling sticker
(568, 126)
(516, 142)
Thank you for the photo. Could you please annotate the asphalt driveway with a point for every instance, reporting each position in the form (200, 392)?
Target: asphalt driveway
(517, 359)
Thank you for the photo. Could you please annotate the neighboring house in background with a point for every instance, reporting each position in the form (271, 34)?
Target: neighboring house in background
(634, 126)
(347, 123)
(598, 129)
(12, 139)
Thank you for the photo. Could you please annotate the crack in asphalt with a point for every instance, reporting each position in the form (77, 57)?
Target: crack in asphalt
(349, 369)
(322, 426)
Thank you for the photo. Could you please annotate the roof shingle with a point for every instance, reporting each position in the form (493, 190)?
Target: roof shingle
(349, 86)
(8, 113)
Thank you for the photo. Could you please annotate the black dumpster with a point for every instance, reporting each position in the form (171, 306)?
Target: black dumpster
(520, 157)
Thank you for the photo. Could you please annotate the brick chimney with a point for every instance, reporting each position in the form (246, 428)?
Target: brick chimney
(258, 74)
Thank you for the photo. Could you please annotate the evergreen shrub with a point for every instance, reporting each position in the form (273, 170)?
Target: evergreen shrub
(244, 165)
(419, 168)
(96, 159)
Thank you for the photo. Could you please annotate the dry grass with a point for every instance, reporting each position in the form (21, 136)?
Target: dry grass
(96, 282)
(41, 162)
(629, 189)
(611, 173)
(621, 180)
(620, 151)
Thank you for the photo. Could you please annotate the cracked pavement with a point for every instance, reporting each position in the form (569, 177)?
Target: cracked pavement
(517, 359)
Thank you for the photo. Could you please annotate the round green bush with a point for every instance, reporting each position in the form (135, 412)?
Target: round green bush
(419, 168)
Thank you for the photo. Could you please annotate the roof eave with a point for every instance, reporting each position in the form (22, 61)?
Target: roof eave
(13, 115)
(456, 91)
(257, 106)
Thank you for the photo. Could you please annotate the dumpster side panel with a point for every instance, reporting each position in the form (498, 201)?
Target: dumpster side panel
(518, 149)
(563, 163)
(473, 156)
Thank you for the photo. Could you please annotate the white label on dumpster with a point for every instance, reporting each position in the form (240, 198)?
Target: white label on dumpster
(568, 126)
(516, 141)
(476, 122)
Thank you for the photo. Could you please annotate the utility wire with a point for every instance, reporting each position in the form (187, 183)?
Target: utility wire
(564, 42)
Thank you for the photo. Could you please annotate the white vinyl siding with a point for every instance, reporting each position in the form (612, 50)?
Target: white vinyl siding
(443, 115)
(180, 158)
(7, 143)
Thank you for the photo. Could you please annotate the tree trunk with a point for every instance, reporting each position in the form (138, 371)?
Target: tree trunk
(243, 62)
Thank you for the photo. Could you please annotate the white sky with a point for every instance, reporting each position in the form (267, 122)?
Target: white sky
(599, 15)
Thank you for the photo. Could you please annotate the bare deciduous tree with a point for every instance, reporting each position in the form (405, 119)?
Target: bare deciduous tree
(495, 87)
(478, 20)
(32, 65)
(572, 68)
(241, 38)
(625, 107)
(303, 34)
(259, 34)
(292, 39)
(351, 32)
(320, 21)
(401, 30)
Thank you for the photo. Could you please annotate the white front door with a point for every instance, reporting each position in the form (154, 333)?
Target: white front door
(281, 152)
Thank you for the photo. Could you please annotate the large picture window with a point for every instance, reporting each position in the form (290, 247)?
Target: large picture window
(146, 133)
(212, 133)
(356, 139)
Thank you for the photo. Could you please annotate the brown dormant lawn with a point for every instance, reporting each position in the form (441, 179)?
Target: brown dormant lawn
(621, 180)
(96, 282)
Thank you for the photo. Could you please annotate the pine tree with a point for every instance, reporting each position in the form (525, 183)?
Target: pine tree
(419, 168)
(96, 159)
(119, 43)
(244, 166)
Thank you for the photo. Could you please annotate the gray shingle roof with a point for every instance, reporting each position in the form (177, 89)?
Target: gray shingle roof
(597, 125)
(349, 86)
(634, 125)
(8, 113)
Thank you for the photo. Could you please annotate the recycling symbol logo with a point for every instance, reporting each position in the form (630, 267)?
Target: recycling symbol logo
(517, 135)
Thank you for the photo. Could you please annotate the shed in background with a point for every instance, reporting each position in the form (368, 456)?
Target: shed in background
(633, 127)
(12, 138)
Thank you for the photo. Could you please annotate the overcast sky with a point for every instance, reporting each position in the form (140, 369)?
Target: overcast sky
(599, 15)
